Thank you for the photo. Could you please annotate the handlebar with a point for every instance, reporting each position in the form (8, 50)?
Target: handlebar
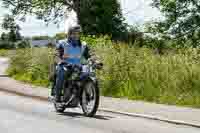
(96, 64)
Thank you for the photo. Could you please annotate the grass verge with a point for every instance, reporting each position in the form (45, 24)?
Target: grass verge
(135, 73)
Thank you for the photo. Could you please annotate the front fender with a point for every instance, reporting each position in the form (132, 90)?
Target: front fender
(87, 76)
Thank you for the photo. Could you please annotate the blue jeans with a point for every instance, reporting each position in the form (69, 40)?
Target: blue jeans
(60, 79)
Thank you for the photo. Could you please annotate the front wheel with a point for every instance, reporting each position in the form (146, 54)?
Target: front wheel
(90, 99)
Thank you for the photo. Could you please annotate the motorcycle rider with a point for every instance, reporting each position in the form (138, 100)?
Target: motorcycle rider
(71, 50)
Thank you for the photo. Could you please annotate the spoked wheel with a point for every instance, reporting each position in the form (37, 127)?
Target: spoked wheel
(90, 99)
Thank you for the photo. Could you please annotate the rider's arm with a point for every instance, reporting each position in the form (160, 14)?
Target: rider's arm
(65, 56)
(60, 50)
(86, 53)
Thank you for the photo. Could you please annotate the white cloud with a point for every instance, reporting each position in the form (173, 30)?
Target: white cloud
(139, 11)
(32, 26)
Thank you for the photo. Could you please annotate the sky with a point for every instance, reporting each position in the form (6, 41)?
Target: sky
(135, 12)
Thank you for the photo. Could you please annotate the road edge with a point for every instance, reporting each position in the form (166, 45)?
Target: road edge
(151, 117)
(177, 122)
(24, 94)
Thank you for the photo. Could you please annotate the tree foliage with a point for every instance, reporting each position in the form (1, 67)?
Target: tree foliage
(3, 36)
(13, 29)
(40, 37)
(95, 16)
(47, 10)
(60, 36)
(102, 17)
(182, 18)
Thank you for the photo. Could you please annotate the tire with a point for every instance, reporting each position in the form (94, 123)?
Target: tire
(96, 98)
(59, 109)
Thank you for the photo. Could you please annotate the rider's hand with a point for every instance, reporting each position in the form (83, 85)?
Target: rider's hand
(66, 56)
(71, 56)
(60, 61)
(77, 56)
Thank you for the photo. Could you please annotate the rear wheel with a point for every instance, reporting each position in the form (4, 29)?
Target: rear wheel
(90, 99)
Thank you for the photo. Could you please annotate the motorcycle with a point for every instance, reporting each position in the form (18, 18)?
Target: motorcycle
(80, 88)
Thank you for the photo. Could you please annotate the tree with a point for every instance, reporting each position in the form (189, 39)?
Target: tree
(8, 22)
(13, 28)
(60, 36)
(3, 36)
(95, 16)
(40, 37)
(134, 35)
(48, 10)
(182, 18)
(102, 17)
(23, 44)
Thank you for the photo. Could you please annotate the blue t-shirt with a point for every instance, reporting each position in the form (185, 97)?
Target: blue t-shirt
(71, 50)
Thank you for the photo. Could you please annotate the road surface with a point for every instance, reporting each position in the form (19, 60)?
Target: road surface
(24, 115)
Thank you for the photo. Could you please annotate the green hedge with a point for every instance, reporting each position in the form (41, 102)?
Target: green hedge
(6, 45)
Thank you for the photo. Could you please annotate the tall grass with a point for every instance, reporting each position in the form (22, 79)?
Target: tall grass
(7, 52)
(3, 52)
(135, 73)
(140, 74)
(32, 65)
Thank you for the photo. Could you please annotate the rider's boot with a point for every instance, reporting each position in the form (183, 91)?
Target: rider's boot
(58, 95)
(53, 89)
(58, 98)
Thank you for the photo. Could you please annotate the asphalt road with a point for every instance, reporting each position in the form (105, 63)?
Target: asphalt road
(24, 115)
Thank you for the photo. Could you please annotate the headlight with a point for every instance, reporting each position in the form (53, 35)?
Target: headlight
(65, 68)
(85, 68)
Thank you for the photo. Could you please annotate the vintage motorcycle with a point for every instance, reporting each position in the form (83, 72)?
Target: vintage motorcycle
(80, 89)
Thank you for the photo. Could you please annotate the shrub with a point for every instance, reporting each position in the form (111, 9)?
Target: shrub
(3, 52)
(22, 44)
(6, 45)
(31, 65)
